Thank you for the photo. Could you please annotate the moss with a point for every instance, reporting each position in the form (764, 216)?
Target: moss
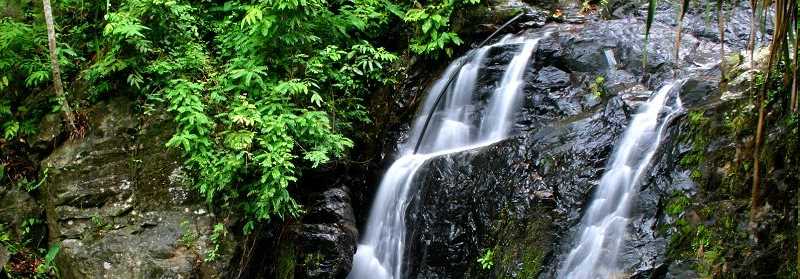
(709, 244)
(699, 138)
(521, 246)
(533, 255)
(312, 260)
(286, 260)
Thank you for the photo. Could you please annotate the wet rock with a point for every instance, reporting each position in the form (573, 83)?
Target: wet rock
(328, 236)
(322, 243)
(698, 92)
(539, 182)
(564, 136)
(681, 269)
(497, 197)
(109, 206)
(553, 78)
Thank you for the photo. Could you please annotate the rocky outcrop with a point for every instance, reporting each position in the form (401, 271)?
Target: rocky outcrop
(521, 198)
(120, 205)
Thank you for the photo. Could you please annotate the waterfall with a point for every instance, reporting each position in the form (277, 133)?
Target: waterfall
(603, 226)
(612, 62)
(451, 129)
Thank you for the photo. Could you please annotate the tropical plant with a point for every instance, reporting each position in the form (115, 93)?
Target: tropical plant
(487, 259)
(433, 21)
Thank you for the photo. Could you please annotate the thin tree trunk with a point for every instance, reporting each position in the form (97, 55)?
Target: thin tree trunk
(57, 86)
(775, 47)
(723, 82)
(751, 44)
(678, 31)
(794, 102)
(755, 195)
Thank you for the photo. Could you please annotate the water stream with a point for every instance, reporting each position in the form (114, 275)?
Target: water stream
(603, 226)
(452, 128)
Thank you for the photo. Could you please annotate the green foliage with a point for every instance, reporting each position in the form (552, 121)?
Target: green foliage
(47, 267)
(18, 243)
(23, 65)
(259, 90)
(487, 260)
(286, 260)
(7, 240)
(677, 205)
(31, 185)
(98, 221)
(188, 236)
(710, 244)
(433, 21)
(217, 235)
(598, 86)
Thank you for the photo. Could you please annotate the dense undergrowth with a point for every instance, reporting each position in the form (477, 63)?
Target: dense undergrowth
(259, 90)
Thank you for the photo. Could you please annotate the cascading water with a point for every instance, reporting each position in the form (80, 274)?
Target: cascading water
(451, 129)
(603, 226)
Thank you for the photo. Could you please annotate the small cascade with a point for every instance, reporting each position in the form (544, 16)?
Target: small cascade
(452, 128)
(603, 226)
(612, 62)
(495, 124)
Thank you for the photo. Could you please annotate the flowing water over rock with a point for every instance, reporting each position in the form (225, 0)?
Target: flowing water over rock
(456, 123)
(524, 197)
(604, 224)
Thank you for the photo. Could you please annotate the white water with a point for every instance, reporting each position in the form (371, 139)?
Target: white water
(452, 128)
(612, 62)
(603, 226)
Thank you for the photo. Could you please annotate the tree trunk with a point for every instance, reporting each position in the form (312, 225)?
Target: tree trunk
(723, 81)
(57, 86)
(678, 31)
(751, 44)
(794, 102)
(756, 189)
(775, 48)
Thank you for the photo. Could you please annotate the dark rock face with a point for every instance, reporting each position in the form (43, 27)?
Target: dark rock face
(472, 201)
(120, 206)
(326, 239)
(522, 197)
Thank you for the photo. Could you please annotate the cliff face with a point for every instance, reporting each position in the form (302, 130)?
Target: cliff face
(521, 198)
(120, 206)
